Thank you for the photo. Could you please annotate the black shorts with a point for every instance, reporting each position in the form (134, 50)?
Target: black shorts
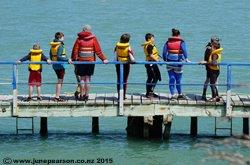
(85, 69)
(60, 73)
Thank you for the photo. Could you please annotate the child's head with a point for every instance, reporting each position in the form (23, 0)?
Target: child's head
(59, 36)
(149, 36)
(175, 32)
(215, 42)
(125, 38)
(36, 46)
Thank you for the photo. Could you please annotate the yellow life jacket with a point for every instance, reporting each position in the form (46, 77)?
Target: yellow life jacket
(35, 56)
(215, 52)
(154, 51)
(122, 51)
(54, 49)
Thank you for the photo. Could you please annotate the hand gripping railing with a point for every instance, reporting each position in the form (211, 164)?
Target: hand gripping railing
(121, 83)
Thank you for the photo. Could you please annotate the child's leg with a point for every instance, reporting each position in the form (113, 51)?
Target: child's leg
(60, 75)
(30, 90)
(38, 91)
(178, 77)
(82, 86)
(171, 81)
(86, 84)
(59, 87)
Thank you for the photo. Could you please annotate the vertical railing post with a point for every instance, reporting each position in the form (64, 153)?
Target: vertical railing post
(121, 90)
(14, 87)
(229, 87)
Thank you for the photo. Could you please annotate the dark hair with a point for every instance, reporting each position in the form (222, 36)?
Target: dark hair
(58, 35)
(148, 36)
(175, 32)
(125, 38)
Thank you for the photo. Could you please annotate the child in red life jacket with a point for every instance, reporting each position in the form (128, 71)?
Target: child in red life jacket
(35, 76)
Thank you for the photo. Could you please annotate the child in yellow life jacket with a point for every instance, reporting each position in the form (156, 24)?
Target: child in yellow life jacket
(124, 53)
(35, 76)
(58, 53)
(153, 72)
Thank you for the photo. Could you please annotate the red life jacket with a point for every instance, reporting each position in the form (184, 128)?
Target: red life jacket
(86, 49)
(174, 45)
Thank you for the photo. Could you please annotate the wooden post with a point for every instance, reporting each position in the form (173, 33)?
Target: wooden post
(156, 128)
(43, 126)
(135, 126)
(245, 126)
(95, 125)
(146, 128)
(167, 130)
(167, 120)
(193, 126)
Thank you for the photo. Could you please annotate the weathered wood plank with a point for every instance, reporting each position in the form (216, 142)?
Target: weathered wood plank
(245, 99)
(191, 99)
(163, 98)
(236, 100)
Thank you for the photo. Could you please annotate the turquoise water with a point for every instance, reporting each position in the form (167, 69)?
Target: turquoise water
(26, 22)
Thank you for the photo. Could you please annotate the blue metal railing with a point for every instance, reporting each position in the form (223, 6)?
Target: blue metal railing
(228, 84)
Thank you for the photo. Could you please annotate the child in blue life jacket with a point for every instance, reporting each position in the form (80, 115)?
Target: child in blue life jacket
(35, 76)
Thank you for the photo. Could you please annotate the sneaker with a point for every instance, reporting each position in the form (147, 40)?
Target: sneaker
(39, 98)
(155, 95)
(215, 99)
(181, 96)
(28, 99)
(58, 99)
(77, 95)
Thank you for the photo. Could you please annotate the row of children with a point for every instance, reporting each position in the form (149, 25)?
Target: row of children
(87, 47)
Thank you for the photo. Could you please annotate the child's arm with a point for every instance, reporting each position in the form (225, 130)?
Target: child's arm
(44, 58)
(25, 58)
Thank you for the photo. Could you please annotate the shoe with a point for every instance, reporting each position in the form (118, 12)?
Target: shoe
(181, 96)
(203, 97)
(83, 98)
(86, 98)
(58, 99)
(147, 95)
(39, 99)
(76, 95)
(155, 95)
(28, 99)
(217, 99)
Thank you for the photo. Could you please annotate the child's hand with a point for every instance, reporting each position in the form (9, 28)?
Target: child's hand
(49, 61)
(105, 61)
(18, 62)
(202, 62)
(70, 61)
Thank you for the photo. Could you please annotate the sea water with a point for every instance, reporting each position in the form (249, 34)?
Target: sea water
(26, 22)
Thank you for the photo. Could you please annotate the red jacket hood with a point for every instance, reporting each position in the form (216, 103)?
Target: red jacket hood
(85, 35)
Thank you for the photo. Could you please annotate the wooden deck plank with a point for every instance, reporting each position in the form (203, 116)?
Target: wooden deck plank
(136, 99)
(245, 99)
(236, 100)
(163, 98)
(191, 99)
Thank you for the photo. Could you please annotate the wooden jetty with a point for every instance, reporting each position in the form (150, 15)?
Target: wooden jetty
(146, 117)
